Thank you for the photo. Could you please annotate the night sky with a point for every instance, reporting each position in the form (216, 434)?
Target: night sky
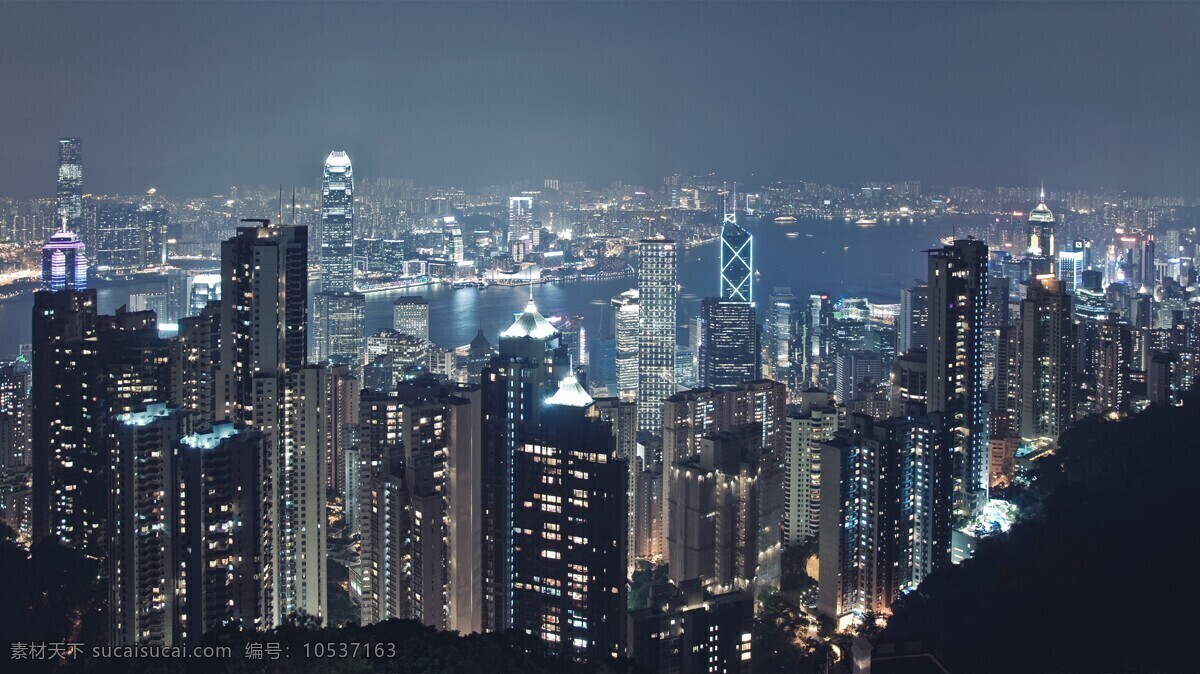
(193, 97)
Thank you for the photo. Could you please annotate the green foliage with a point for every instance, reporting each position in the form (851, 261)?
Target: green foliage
(1092, 584)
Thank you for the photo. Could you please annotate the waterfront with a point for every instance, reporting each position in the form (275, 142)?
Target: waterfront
(830, 256)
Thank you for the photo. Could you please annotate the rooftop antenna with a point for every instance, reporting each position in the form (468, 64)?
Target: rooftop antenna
(293, 205)
(280, 204)
(1042, 192)
(531, 292)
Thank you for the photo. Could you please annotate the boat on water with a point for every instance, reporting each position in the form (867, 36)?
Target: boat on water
(865, 221)
(792, 235)
(785, 220)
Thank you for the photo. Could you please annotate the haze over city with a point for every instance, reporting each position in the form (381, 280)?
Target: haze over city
(193, 97)
(662, 337)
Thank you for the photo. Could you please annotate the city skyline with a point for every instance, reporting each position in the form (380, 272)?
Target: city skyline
(576, 366)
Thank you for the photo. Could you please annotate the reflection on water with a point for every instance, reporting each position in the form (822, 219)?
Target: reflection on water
(838, 258)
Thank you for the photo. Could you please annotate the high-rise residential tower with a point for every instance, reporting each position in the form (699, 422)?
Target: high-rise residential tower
(656, 336)
(958, 284)
(264, 383)
(1047, 360)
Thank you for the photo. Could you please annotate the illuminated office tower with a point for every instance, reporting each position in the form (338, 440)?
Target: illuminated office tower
(381, 507)
(737, 259)
(264, 383)
(530, 358)
(337, 224)
(729, 352)
(785, 324)
(145, 576)
(520, 218)
(219, 532)
(1040, 231)
(958, 285)
(853, 369)
(188, 292)
(656, 335)
(64, 263)
(626, 317)
(820, 338)
(338, 323)
(811, 422)
(116, 233)
(410, 315)
(70, 184)
(912, 329)
(1072, 262)
(1047, 360)
(569, 548)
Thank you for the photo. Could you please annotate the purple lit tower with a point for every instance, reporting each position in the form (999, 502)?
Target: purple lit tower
(64, 264)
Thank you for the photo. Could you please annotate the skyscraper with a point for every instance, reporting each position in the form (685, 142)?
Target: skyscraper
(729, 343)
(656, 335)
(626, 312)
(264, 383)
(737, 259)
(337, 224)
(809, 424)
(64, 263)
(866, 518)
(1047, 360)
(145, 578)
(339, 320)
(220, 512)
(520, 218)
(1114, 363)
(410, 315)
(69, 462)
(425, 507)
(569, 547)
(70, 184)
(912, 329)
(1040, 230)
(531, 357)
(785, 330)
(957, 301)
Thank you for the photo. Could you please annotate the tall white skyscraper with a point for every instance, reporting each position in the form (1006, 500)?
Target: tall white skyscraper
(337, 224)
(70, 184)
(626, 314)
(656, 335)
(520, 218)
